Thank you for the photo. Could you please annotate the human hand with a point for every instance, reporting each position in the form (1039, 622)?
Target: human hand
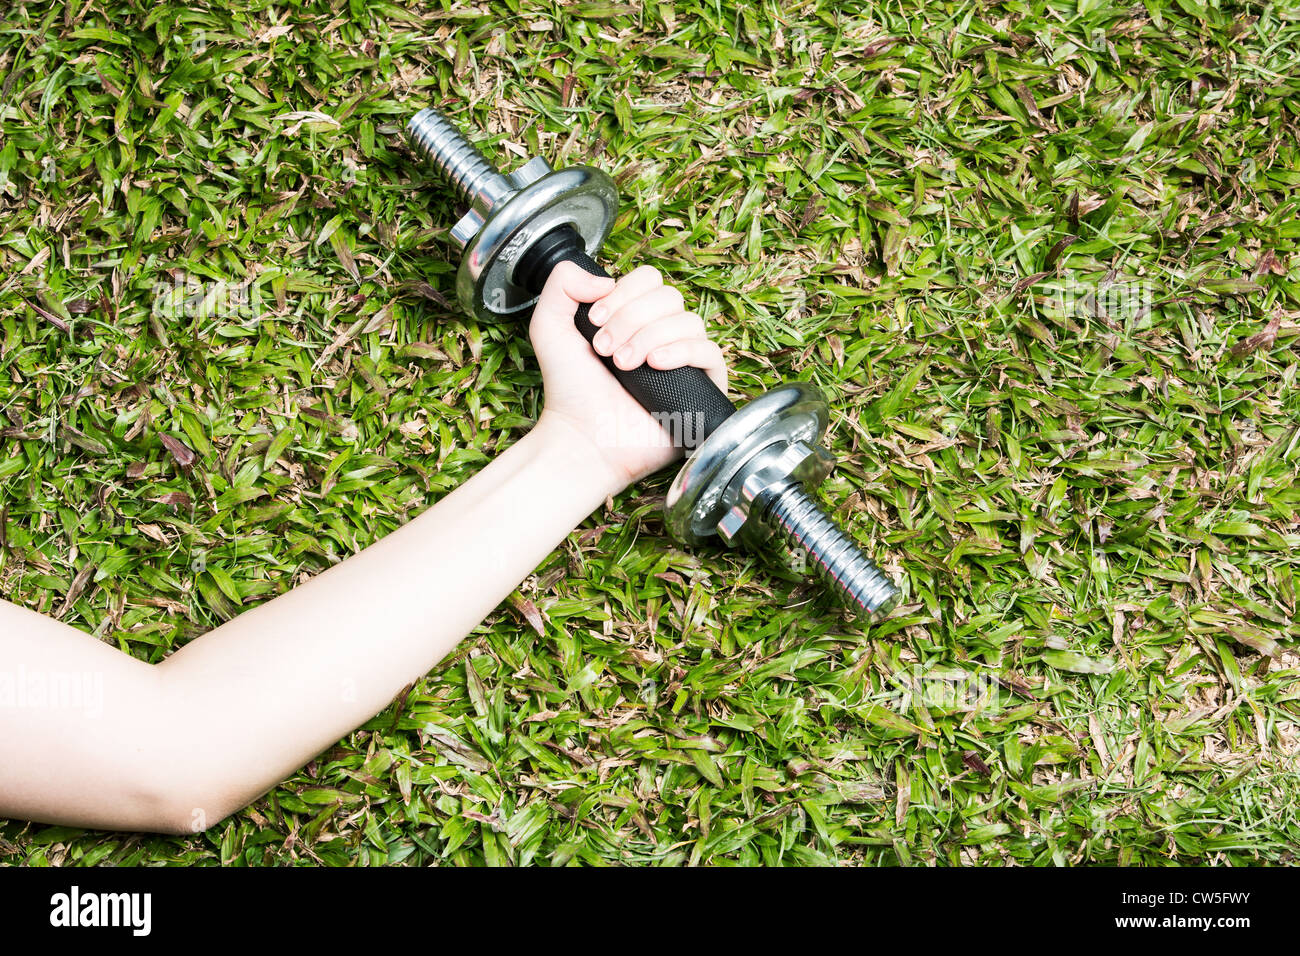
(642, 321)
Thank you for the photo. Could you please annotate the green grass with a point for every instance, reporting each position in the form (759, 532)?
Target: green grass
(1090, 499)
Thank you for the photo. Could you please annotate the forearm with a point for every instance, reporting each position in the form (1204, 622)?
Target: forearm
(330, 654)
(239, 709)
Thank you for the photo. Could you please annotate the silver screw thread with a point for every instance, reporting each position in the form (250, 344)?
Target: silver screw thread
(473, 176)
(801, 520)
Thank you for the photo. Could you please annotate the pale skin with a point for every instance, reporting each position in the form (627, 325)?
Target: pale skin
(179, 745)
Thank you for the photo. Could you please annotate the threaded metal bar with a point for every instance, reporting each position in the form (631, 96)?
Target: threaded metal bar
(837, 556)
(473, 175)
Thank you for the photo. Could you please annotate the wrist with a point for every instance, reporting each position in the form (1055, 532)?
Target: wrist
(583, 459)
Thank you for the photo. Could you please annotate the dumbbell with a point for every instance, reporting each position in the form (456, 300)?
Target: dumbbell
(750, 472)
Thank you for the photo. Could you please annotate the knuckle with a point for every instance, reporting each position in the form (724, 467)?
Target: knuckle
(643, 313)
(625, 321)
(648, 274)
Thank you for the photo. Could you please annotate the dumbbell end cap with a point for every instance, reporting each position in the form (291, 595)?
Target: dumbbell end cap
(580, 196)
(698, 498)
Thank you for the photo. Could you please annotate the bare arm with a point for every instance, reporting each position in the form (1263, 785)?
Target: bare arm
(178, 745)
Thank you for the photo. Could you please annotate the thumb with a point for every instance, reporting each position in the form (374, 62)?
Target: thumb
(568, 286)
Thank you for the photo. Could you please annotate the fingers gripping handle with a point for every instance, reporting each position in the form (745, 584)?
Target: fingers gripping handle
(684, 400)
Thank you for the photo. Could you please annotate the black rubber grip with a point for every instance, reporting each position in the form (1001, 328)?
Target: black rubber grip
(684, 400)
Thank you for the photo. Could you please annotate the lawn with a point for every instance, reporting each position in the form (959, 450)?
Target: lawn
(1041, 256)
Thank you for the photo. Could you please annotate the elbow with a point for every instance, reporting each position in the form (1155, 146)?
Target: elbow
(195, 772)
(188, 813)
(188, 783)
(143, 794)
(179, 803)
(195, 790)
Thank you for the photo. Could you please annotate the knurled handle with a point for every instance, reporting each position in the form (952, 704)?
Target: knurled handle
(685, 401)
